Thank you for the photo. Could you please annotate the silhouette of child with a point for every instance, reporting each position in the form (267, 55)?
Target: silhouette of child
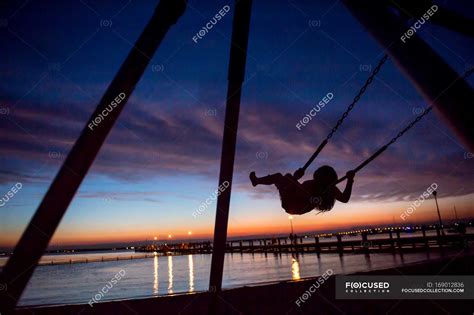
(299, 198)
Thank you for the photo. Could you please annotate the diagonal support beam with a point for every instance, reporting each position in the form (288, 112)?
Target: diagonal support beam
(42, 226)
(439, 84)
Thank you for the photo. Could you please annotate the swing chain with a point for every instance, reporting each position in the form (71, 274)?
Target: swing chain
(426, 111)
(401, 133)
(358, 96)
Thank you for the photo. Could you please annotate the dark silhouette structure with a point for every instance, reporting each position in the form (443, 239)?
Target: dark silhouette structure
(433, 77)
(236, 76)
(42, 226)
(442, 87)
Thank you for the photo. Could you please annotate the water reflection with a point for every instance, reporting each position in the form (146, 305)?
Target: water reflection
(170, 274)
(368, 261)
(155, 274)
(191, 273)
(341, 261)
(295, 269)
(65, 282)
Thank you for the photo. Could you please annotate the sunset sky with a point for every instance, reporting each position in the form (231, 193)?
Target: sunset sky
(161, 160)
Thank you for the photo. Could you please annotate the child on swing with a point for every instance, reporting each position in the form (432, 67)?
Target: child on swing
(300, 198)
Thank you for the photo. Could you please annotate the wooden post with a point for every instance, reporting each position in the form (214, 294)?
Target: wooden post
(438, 234)
(365, 242)
(399, 241)
(425, 240)
(317, 247)
(339, 244)
(392, 243)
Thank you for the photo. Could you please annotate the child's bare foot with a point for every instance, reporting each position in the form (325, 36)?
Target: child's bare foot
(253, 179)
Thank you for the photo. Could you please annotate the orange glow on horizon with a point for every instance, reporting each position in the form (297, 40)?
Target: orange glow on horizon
(270, 222)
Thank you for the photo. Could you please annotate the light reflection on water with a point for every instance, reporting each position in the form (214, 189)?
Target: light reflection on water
(295, 270)
(170, 274)
(155, 274)
(191, 273)
(77, 283)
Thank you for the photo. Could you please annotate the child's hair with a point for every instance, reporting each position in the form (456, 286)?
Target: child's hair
(324, 178)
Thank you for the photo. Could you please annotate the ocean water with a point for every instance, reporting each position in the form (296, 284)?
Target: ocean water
(162, 275)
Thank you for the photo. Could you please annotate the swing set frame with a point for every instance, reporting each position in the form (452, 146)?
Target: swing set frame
(440, 85)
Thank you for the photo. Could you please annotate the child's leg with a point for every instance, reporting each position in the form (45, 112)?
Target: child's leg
(274, 179)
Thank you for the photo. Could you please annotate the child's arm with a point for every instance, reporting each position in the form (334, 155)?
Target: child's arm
(346, 195)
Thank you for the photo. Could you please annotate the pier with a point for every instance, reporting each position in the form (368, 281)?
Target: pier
(377, 240)
(368, 241)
